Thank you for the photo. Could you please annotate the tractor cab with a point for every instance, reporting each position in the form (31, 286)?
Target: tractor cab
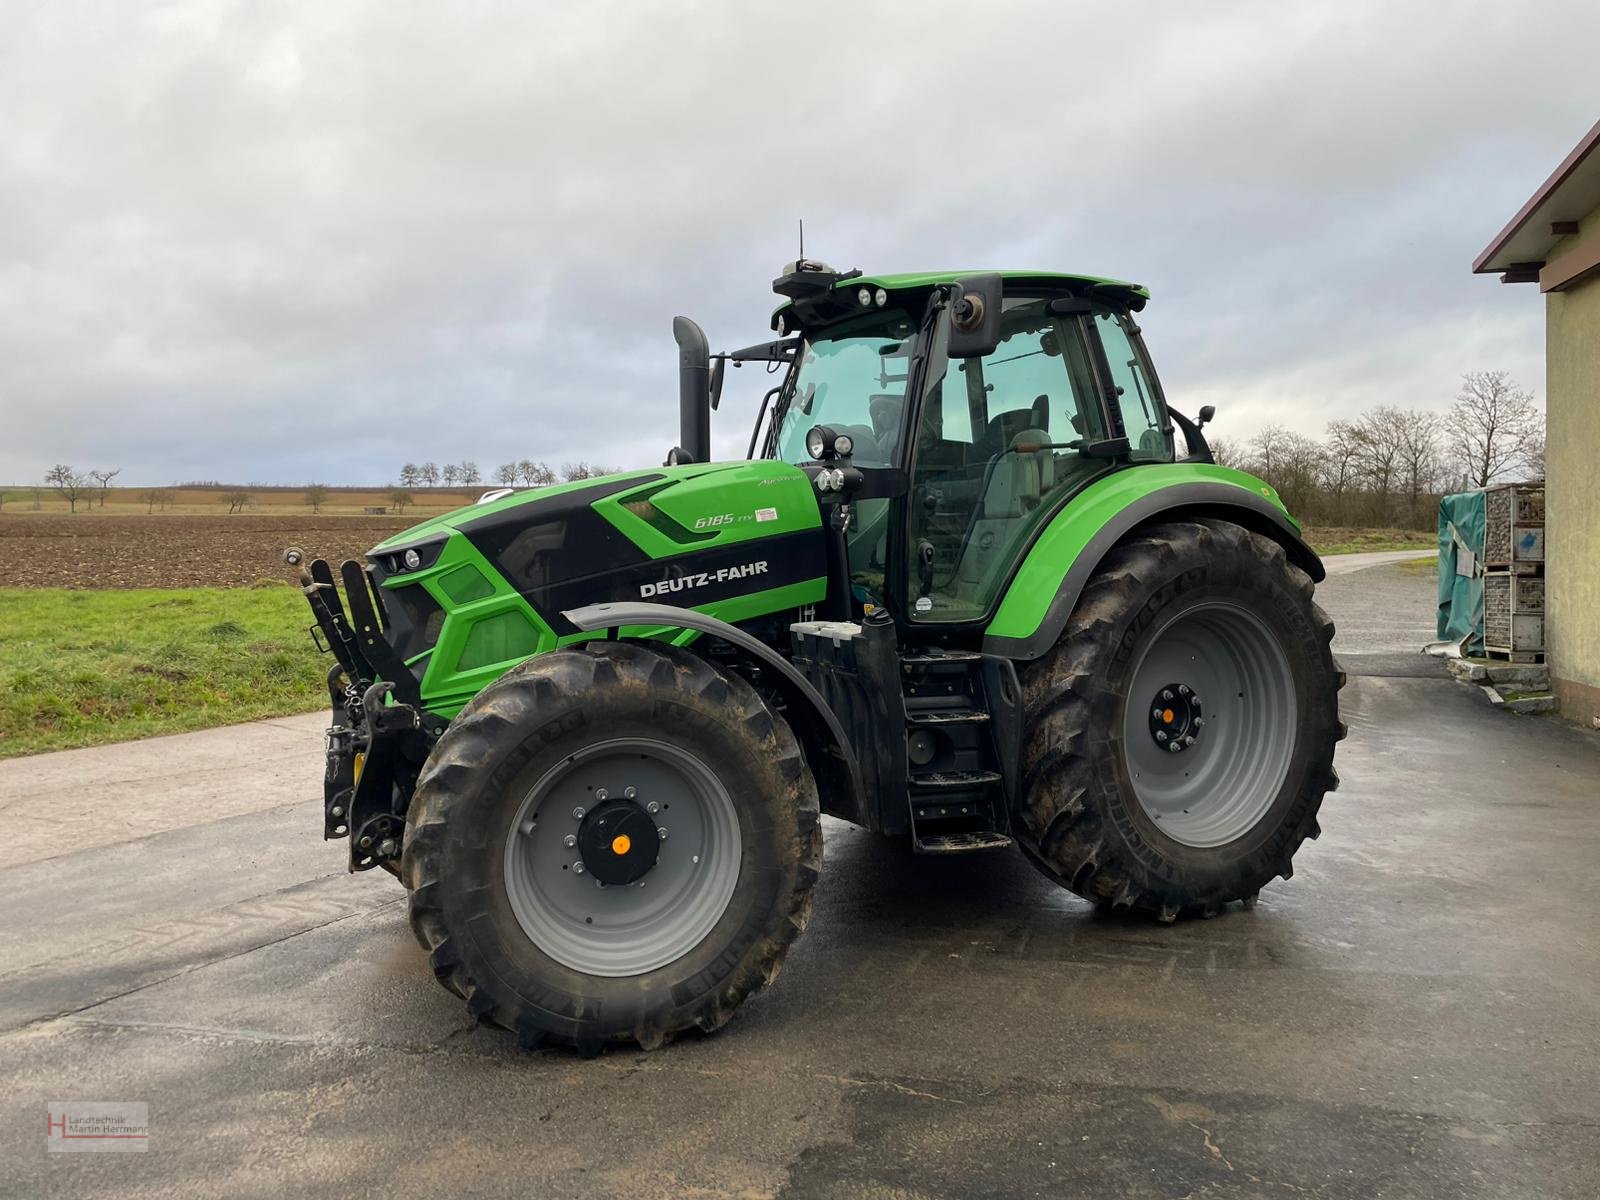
(958, 414)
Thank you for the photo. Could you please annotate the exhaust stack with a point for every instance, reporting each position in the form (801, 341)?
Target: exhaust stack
(694, 391)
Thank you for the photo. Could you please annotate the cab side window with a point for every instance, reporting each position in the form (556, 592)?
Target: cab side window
(1143, 415)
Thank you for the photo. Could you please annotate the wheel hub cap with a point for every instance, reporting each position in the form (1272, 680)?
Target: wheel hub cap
(1176, 717)
(618, 842)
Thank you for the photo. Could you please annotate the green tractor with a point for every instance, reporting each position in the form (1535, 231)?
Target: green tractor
(965, 590)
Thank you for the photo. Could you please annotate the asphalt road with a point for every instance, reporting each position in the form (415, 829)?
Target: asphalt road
(1413, 1015)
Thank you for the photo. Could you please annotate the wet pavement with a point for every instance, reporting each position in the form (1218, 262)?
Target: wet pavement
(1414, 1014)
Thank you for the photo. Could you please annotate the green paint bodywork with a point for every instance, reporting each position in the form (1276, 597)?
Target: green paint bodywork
(489, 627)
(1028, 599)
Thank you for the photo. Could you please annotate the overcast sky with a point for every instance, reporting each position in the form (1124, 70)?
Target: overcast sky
(272, 242)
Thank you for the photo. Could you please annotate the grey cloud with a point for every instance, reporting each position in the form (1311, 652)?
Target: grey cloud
(286, 242)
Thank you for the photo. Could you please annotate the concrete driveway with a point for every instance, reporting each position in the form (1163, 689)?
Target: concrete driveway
(1413, 1015)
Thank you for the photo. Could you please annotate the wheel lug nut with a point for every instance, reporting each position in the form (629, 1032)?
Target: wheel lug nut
(663, 832)
(1166, 693)
(630, 792)
(1189, 741)
(1161, 735)
(1199, 722)
(1183, 689)
(1174, 747)
(1156, 713)
(577, 868)
(570, 840)
(577, 813)
(652, 807)
(338, 810)
(601, 794)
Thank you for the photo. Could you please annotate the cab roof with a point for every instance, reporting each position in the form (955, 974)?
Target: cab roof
(1132, 294)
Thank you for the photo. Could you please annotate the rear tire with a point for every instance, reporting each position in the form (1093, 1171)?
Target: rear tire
(541, 949)
(1113, 813)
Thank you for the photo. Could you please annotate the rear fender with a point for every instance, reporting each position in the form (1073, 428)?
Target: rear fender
(1225, 501)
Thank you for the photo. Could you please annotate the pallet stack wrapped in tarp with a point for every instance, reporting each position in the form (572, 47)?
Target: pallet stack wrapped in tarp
(1491, 572)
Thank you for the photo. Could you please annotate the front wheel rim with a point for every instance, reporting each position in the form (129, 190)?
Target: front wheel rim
(624, 929)
(1221, 665)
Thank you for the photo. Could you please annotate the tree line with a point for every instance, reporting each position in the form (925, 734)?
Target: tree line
(1386, 467)
(521, 473)
(1389, 466)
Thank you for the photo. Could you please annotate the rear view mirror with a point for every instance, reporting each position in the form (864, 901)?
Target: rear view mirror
(975, 316)
(1207, 411)
(718, 366)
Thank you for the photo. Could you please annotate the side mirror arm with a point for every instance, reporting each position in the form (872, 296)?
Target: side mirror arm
(1199, 448)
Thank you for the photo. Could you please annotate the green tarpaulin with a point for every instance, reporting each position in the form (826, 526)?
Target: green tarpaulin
(1461, 570)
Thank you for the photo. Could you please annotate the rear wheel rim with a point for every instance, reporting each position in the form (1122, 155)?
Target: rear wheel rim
(1218, 786)
(624, 929)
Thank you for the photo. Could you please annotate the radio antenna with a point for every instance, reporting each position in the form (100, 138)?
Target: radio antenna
(802, 239)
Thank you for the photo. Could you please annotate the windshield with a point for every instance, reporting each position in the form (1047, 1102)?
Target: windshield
(851, 378)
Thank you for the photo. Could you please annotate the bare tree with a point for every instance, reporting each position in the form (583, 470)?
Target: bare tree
(102, 481)
(575, 470)
(1290, 462)
(151, 497)
(410, 476)
(506, 473)
(470, 473)
(316, 496)
(428, 475)
(399, 498)
(451, 474)
(1494, 427)
(1226, 452)
(1419, 460)
(68, 482)
(534, 474)
(1341, 461)
(237, 500)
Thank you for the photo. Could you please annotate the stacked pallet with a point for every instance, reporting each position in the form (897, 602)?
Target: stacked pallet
(1513, 577)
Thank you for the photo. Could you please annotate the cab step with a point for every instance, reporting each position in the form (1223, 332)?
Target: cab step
(931, 658)
(941, 780)
(946, 716)
(960, 843)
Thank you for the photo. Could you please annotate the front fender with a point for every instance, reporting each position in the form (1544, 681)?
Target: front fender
(828, 753)
(1058, 565)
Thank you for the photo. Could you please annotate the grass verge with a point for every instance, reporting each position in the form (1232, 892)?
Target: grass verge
(80, 668)
(1339, 540)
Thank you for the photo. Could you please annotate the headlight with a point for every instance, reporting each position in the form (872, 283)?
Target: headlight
(865, 297)
(413, 560)
(880, 297)
(843, 444)
(816, 442)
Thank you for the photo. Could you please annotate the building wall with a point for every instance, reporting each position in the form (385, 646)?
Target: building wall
(1572, 490)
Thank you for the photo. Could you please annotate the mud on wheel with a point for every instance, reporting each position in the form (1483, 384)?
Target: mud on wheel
(612, 842)
(1180, 735)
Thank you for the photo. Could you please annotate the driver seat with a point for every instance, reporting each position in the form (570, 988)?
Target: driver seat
(1020, 479)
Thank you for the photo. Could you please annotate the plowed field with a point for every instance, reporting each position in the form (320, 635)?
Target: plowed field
(88, 550)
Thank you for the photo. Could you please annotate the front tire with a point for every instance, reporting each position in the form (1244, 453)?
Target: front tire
(1200, 635)
(612, 842)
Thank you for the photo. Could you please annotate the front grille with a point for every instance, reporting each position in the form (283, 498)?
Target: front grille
(415, 619)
